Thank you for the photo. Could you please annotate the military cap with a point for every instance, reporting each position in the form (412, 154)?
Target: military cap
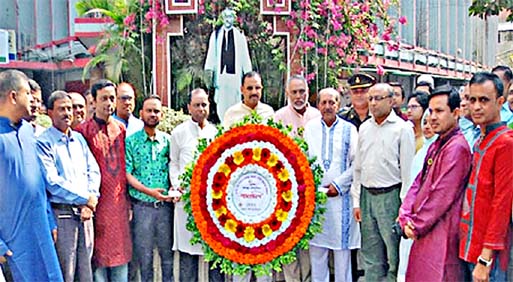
(361, 80)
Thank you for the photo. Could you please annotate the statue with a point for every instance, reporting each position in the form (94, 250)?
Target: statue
(228, 59)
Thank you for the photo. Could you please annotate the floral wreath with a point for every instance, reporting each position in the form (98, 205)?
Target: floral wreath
(252, 198)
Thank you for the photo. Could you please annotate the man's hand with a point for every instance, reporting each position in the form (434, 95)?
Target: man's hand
(177, 199)
(3, 258)
(157, 194)
(86, 213)
(408, 231)
(54, 235)
(357, 212)
(332, 191)
(481, 273)
(92, 202)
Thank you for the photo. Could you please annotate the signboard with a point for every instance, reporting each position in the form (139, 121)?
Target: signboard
(12, 44)
(4, 46)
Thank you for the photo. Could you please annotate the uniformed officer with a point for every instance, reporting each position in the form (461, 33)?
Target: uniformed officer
(359, 84)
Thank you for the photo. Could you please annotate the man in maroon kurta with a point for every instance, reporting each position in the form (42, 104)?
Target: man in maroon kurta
(106, 139)
(430, 212)
(485, 229)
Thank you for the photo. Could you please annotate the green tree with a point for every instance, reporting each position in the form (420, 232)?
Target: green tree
(124, 48)
(486, 8)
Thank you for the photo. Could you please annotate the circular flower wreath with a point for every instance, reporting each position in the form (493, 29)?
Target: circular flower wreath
(252, 199)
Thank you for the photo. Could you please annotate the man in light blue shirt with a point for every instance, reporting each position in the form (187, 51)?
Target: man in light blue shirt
(470, 130)
(25, 226)
(125, 105)
(72, 181)
(506, 75)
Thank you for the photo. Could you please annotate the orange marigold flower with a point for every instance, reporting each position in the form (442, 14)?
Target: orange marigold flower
(231, 225)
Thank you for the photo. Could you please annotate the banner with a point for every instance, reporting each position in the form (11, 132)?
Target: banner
(4, 46)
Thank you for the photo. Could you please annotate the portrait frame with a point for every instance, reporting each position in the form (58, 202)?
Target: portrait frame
(174, 7)
(268, 7)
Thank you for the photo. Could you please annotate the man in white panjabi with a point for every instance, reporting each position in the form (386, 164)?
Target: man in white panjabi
(333, 141)
(228, 59)
(184, 140)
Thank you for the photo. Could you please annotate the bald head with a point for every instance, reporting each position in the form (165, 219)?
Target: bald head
(380, 101)
(125, 100)
(198, 106)
(79, 108)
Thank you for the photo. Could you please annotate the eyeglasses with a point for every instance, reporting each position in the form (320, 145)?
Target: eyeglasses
(78, 106)
(413, 107)
(378, 98)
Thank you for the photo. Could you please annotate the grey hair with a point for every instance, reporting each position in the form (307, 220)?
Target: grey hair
(195, 92)
(385, 87)
(11, 80)
(297, 77)
(57, 95)
(330, 90)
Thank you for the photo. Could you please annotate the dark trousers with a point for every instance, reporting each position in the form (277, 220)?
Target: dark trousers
(496, 273)
(189, 269)
(74, 245)
(153, 225)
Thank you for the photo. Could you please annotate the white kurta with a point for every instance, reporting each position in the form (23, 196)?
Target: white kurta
(238, 111)
(227, 86)
(335, 149)
(184, 141)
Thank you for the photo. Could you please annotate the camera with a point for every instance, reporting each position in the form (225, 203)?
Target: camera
(398, 231)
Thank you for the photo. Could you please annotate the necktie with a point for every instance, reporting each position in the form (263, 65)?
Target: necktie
(226, 40)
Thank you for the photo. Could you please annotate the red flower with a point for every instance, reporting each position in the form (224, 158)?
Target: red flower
(222, 219)
(265, 154)
(240, 231)
(258, 233)
(286, 206)
(278, 166)
(287, 185)
(275, 224)
(216, 204)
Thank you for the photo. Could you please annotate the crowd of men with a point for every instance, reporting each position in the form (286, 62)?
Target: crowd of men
(424, 193)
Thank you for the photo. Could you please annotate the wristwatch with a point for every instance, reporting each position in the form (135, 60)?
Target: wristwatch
(485, 262)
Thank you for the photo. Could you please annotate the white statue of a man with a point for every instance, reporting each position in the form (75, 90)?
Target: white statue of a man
(228, 59)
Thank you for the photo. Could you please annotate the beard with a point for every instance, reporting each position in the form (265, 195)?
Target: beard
(151, 124)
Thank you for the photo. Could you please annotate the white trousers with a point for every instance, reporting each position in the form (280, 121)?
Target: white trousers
(320, 268)
(404, 256)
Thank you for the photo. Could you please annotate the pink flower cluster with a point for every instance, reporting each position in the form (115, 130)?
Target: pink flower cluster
(337, 32)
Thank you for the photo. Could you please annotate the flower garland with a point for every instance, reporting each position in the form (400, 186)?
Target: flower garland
(252, 198)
